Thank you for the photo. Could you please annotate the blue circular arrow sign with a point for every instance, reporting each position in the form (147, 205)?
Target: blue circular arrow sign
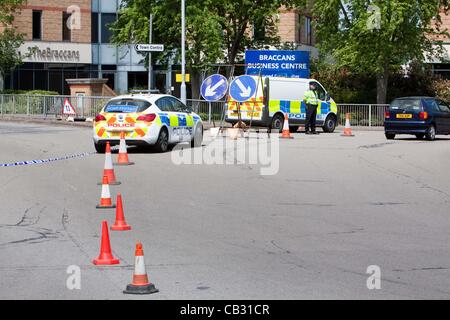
(243, 88)
(214, 87)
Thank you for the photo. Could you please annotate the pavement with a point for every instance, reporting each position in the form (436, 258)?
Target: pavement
(337, 206)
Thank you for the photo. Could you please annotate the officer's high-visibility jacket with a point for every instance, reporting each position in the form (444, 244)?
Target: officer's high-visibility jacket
(311, 98)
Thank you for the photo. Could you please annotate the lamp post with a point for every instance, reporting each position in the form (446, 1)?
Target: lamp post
(183, 51)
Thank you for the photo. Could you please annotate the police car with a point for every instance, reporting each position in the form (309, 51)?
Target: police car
(148, 120)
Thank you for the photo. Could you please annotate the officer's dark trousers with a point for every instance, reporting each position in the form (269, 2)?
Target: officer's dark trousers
(311, 114)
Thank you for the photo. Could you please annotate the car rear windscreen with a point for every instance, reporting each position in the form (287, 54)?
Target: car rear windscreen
(127, 106)
(407, 104)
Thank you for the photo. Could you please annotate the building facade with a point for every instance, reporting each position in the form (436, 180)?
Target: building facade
(69, 39)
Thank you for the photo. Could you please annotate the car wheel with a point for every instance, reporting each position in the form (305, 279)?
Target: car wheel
(162, 145)
(100, 148)
(420, 136)
(330, 124)
(277, 122)
(197, 140)
(390, 136)
(431, 133)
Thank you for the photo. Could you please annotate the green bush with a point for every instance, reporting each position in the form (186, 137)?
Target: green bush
(32, 92)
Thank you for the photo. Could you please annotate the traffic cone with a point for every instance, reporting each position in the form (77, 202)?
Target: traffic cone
(120, 224)
(286, 134)
(140, 284)
(105, 257)
(109, 169)
(348, 128)
(105, 200)
(123, 152)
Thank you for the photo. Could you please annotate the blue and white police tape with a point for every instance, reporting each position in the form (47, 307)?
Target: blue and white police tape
(33, 162)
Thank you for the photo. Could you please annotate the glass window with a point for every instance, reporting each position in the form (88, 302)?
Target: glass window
(432, 105)
(37, 25)
(164, 104)
(443, 106)
(321, 93)
(308, 31)
(66, 26)
(107, 19)
(407, 104)
(177, 105)
(94, 27)
(127, 106)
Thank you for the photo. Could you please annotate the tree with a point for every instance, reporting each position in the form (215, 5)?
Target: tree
(379, 36)
(240, 19)
(203, 33)
(217, 31)
(10, 39)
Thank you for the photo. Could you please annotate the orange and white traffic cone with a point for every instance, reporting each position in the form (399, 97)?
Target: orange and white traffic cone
(286, 134)
(120, 224)
(140, 284)
(123, 160)
(105, 257)
(109, 169)
(348, 128)
(105, 200)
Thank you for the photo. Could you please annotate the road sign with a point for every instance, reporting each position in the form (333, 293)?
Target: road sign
(214, 87)
(243, 88)
(179, 77)
(149, 47)
(278, 63)
(68, 109)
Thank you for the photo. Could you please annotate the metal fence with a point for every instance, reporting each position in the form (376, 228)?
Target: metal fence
(49, 106)
(364, 115)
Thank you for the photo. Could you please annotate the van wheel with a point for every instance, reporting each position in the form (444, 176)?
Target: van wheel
(430, 135)
(330, 124)
(277, 122)
(162, 145)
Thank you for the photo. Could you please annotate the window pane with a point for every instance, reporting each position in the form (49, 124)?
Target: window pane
(37, 25)
(67, 33)
(107, 19)
(94, 27)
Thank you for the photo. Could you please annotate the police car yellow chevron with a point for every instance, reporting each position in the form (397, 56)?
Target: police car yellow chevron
(147, 120)
(277, 97)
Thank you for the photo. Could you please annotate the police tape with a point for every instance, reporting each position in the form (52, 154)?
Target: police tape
(34, 162)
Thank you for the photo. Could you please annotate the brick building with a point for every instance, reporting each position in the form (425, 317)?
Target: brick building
(70, 39)
(442, 66)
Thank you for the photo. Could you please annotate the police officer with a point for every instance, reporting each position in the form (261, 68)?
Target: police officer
(311, 99)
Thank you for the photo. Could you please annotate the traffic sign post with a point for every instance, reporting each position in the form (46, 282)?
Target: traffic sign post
(243, 88)
(149, 47)
(214, 87)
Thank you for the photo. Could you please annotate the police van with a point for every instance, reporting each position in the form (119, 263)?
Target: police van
(277, 97)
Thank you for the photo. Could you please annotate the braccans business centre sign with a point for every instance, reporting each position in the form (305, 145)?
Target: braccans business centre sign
(278, 63)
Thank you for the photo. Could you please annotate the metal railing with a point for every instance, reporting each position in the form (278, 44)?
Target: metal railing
(49, 106)
(364, 115)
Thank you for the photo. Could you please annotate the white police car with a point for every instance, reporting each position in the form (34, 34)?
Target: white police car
(147, 120)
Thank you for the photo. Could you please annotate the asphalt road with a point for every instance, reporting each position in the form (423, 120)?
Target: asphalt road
(336, 206)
